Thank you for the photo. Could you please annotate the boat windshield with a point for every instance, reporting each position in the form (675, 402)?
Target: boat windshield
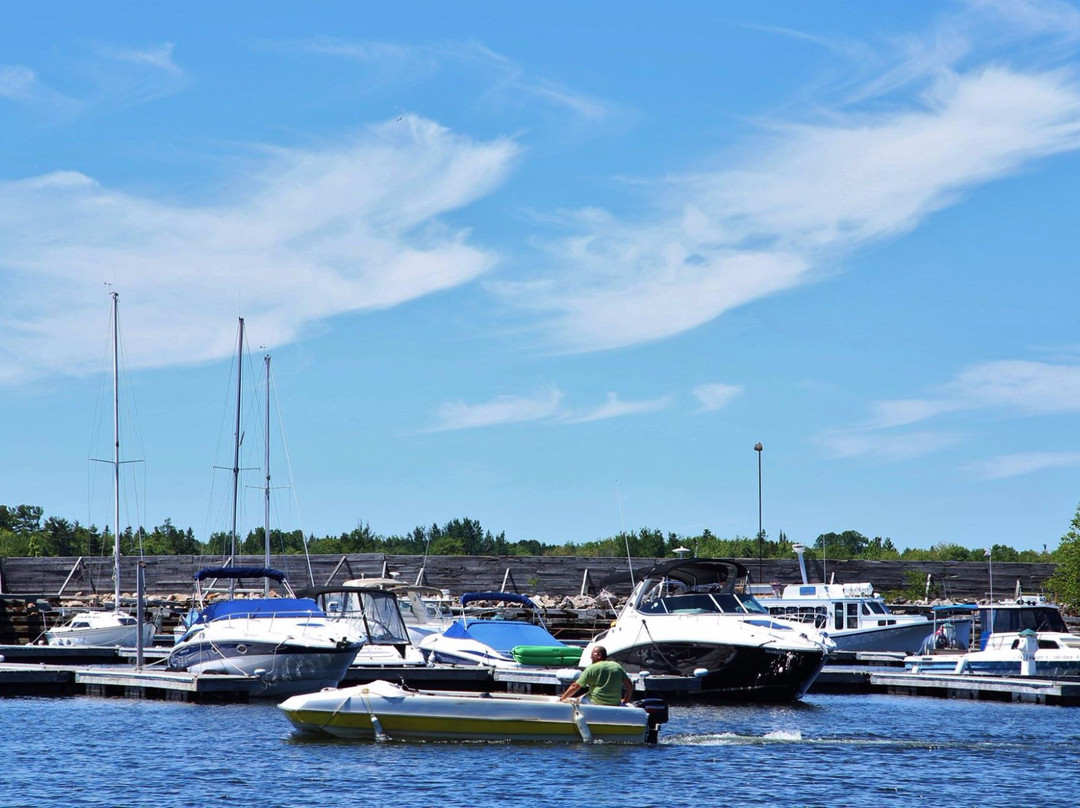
(690, 602)
(1036, 618)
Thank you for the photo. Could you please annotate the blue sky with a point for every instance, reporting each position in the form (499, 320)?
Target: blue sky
(554, 267)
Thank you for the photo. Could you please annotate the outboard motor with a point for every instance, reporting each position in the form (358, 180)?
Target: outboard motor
(657, 711)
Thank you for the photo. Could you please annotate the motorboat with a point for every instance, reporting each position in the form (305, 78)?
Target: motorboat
(693, 617)
(105, 628)
(383, 710)
(1026, 637)
(372, 615)
(100, 628)
(499, 642)
(425, 609)
(856, 618)
(288, 642)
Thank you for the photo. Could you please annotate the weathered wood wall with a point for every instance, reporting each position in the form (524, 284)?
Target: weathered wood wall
(556, 575)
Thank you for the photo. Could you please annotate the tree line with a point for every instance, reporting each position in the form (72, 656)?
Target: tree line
(26, 532)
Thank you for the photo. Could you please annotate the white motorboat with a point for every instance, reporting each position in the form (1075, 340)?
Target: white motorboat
(288, 642)
(855, 617)
(381, 710)
(101, 627)
(1024, 638)
(372, 615)
(498, 642)
(692, 617)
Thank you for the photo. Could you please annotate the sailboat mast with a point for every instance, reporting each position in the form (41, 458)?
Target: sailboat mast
(116, 453)
(266, 507)
(236, 442)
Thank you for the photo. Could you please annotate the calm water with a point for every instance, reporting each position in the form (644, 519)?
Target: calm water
(827, 751)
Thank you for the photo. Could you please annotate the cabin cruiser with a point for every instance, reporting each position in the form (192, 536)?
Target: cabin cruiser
(425, 609)
(101, 629)
(288, 642)
(372, 615)
(1027, 637)
(856, 618)
(692, 617)
(383, 710)
(499, 642)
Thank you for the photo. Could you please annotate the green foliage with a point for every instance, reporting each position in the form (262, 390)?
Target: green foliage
(24, 532)
(1065, 582)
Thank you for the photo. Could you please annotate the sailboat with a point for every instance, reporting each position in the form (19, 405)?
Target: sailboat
(288, 642)
(104, 628)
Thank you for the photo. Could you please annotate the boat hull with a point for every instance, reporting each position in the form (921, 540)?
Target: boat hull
(284, 667)
(381, 709)
(727, 671)
(105, 633)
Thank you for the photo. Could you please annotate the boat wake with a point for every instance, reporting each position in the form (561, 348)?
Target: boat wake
(779, 737)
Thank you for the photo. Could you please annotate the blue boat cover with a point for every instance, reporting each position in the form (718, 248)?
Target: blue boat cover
(500, 635)
(508, 597)
(240, 572)
(261, 607)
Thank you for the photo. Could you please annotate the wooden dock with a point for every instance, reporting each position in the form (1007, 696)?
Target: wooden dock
(1026, 689)
(40, 679)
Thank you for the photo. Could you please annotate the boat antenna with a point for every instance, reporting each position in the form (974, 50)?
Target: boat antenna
(626, 538)
(266, 503)
(236, 448)
(116, 452)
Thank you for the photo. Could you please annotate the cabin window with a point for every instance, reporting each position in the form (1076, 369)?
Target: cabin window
(853, 615)
(839, 616)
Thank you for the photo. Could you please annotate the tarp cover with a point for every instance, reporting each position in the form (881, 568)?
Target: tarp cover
(501, 635)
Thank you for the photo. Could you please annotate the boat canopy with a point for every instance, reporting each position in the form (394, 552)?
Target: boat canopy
(701, 572)
(506, 597)
(261, 607)
(501, 635)
(240, 572)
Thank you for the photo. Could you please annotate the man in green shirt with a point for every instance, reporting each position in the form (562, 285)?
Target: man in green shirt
(605, 680)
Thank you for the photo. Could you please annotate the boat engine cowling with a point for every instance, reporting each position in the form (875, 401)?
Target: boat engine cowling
(657, 711)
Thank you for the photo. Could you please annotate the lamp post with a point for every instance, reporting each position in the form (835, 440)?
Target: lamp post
(760, 537)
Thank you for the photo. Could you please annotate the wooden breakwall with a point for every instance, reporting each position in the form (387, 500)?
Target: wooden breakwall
(553, 575)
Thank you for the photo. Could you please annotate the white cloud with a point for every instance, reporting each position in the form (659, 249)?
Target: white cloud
(160, 56)
(17, 83)
(1013, 465)
(883, 446)
(1017, 387)
(313, 234)
(715, 396)
(506, 78)
(506, 409)
(807, 196)
(615, 407)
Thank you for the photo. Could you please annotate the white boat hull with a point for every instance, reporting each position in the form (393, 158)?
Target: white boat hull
(382, 709)
(103, 629)
(284, 663)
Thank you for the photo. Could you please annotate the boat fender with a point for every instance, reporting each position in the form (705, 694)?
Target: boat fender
(377, 726)
(582, 725)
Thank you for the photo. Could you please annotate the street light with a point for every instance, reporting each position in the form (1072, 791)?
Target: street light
(760, 534)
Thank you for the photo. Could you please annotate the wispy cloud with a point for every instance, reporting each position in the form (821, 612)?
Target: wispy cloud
(21, 84)
(313, 233)
(1013, 465)
(883, 446)
(615, 407)
(17, 83)
(158, 56)
(807, 195)
(506, 409)
(1010, 387)
(715, 396)
(1019, 387)
(505, 78)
